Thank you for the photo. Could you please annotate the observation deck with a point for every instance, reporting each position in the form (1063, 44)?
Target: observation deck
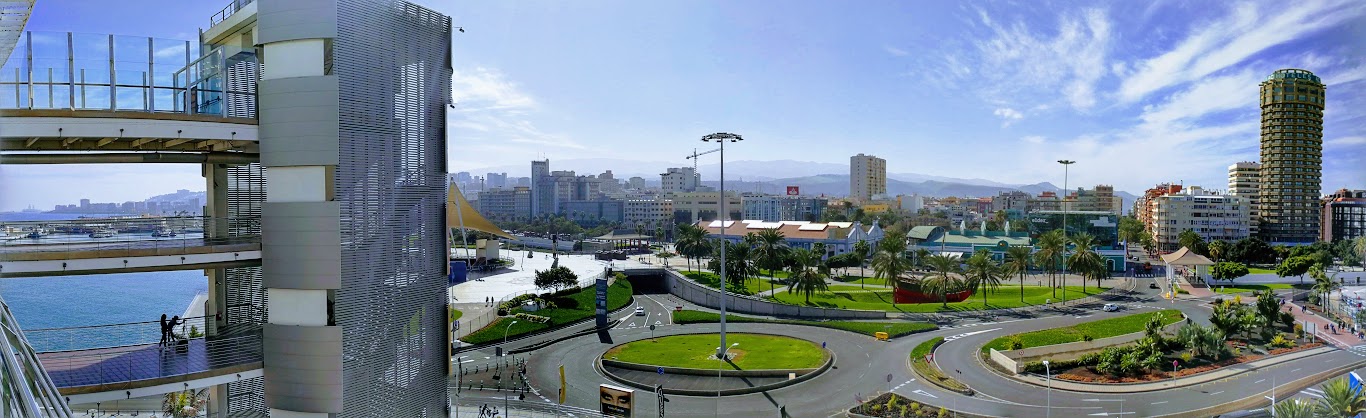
(125, 245)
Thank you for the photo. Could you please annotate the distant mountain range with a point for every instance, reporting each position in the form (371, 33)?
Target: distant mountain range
(774, 176)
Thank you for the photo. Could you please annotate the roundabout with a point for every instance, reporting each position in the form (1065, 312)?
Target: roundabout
(687, 364)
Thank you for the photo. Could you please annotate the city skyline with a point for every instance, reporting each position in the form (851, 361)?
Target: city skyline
(954, 90)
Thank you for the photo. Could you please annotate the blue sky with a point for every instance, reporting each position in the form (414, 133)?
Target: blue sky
(1137, 92)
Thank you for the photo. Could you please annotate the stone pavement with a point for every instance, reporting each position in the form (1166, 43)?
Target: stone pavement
(1340, 338)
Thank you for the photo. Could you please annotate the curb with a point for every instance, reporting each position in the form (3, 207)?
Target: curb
(1256, 399)
(968, 391)
(1192, 380)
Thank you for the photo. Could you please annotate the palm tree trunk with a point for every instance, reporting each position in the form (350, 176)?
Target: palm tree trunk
(1083, 283)
(1022, 279)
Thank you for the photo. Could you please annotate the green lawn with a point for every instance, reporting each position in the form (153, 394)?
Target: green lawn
(893, 329)
(848, 288)
(1096, 329)
(1245, 288)
(755, 352)
(881, 300)
(751, 287)
(1255, 270)
(456, 314)
(568, 308)
(855, 280)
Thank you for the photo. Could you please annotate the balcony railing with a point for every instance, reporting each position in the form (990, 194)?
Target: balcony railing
(228, 11)
(130, 233)
(79, 71)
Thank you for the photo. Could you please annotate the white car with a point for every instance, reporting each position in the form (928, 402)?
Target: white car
(1110, 307)
(640, 311)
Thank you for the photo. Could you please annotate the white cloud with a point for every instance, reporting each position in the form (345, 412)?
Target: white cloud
(1211, 95)
(1033, 139)
(1070, 59)
(485, 88)
(492, 112)
(1009, 115)
(1217, 45)
(1345, 141)
(896, 52)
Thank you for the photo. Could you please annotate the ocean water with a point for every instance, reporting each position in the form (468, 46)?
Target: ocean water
(100, 299)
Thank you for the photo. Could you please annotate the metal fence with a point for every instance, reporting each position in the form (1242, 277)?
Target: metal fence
(470, 324)
(45, 340)
(227, 11)
(134, 363)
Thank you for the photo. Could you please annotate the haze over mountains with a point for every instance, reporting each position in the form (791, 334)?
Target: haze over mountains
(814, 178)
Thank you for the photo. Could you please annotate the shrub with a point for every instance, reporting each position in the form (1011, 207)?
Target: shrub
(1299, 331)
(533, 318)
(1279, 341)
(1086, 337)
(194, 332)
(943, 413)
(1186, 357)
(1016, 343)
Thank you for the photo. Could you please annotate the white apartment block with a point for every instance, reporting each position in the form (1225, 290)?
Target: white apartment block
(1245, 179)
(867, 177)
(707, 205)
(1213, 216)
(679, 180)
(651, 212)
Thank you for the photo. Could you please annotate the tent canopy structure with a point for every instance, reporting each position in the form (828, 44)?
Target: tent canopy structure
(1186, 257)
(459, 214)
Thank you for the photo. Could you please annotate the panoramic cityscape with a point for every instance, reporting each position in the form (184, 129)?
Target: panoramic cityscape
(417, 208)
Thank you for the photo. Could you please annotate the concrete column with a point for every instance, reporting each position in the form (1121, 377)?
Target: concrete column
(216, 202)
(217, 302)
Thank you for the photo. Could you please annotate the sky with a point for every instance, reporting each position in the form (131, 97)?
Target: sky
(1137, 93)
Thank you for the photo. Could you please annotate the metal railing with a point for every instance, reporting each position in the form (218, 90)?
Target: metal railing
(227, 11)
(130, 233)
(46, 340)
(25, 387)
(134, 363)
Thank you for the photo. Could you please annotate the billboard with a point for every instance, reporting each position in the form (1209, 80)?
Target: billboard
(616, 401)
(794, 190)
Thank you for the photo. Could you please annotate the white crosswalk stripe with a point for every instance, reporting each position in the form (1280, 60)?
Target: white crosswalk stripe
(1312, 392)
(1359, 350)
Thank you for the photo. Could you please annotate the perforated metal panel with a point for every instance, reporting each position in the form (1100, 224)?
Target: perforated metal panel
(246, 297)
(246, 398)
(393, 62)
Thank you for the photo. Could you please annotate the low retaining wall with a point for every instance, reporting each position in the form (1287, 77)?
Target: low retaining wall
(699, 294)
(1015, 360)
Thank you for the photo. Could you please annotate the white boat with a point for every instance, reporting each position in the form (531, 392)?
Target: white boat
(38, 233)
(163, 233)
(103, 233)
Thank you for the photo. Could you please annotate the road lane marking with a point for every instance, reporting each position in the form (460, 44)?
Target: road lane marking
(1216, 393)
(1259, 381)
(1158, 403)
(1296, 370)
(923, 392)
(966, 334)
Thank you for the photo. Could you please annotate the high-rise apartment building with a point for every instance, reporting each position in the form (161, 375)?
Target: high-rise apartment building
(648, 213)
(1244, 178)
(867, 177)
(783, 208)
(679, 180)
(1292, 102)
(1213, 216)
(495, 181)
(1344, 215)
(512, 204)
(542, 189)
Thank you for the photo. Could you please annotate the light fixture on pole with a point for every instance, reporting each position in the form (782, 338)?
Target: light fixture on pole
(1065, 165)
(721, 138)
(505, 331)
(721, 358)
(1048, 376)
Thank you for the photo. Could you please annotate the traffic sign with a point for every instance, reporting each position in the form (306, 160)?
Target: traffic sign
(659, 370)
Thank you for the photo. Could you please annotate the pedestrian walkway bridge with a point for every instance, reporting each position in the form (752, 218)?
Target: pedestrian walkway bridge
(121, 361)
(131, 244)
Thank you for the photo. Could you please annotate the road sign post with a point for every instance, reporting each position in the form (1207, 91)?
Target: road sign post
(652, 332)
(659, 395)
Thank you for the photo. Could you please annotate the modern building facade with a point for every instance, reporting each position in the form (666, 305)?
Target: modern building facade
(1213, 216)
(1292, 103)
(679, 180)
(784, 208)
(648, 212)
(1244, 179)
(867, 177)
(506, 204)
(542, 189)
(705, 206)
(593, 212)
(1344, 215)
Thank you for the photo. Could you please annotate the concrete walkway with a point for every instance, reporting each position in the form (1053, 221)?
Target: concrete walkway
(1343, 338)
(1206, 377)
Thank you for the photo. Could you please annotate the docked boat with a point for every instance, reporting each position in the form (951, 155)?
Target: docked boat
(163, 233)
(38, 233)
(103, 233)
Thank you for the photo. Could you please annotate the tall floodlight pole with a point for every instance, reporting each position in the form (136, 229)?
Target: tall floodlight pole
(1065, 165)
(721, 138)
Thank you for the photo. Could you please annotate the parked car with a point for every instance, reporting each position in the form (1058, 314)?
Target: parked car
(640, 311)
(1110, 307)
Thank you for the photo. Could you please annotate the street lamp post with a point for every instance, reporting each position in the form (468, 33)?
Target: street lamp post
(720, 362)
(1065, 165)
(1048, 377)
(505, 331)
(721, 138)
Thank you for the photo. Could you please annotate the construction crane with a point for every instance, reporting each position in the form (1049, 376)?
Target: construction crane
(696, 154)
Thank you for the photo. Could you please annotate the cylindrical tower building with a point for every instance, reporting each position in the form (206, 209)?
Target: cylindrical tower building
(1292, 155)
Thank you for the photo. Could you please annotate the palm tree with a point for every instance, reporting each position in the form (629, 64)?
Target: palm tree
(1217, 249)
(1052, 245)
(1359, 245)
(1323, 284)
(1293, 408)
(984, 274)
(692, 242)
(1018, 260)
(186, 403)
(805, 275)
(1084, 260)
(920, 254)
(890, 262)
(741, 263)
(942, 281)
(862, 248)
(1339, 400)
(772, 252)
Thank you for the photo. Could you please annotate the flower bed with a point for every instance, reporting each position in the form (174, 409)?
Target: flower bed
(1087, 375)
(891, 405)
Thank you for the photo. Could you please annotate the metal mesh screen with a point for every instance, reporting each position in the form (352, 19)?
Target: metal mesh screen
(393, 62)
(246, 398)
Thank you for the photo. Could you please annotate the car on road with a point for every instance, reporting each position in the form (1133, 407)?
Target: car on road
(1152, 285)
(1110, 307)
(640, 311)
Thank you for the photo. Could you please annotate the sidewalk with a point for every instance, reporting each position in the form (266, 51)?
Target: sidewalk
(1211, 376)
(1343, 338)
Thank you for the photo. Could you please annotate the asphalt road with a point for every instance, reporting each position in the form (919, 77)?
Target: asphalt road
(863, 364)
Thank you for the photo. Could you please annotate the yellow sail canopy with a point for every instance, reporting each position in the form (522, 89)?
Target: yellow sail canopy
(459, 213)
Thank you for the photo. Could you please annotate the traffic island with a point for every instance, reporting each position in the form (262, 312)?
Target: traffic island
(687, 364)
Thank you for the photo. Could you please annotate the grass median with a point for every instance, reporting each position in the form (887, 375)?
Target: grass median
(927, 370)
(893, 329)
(569, 307)
(1095, 330)
(696, 351)
(880, 299)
